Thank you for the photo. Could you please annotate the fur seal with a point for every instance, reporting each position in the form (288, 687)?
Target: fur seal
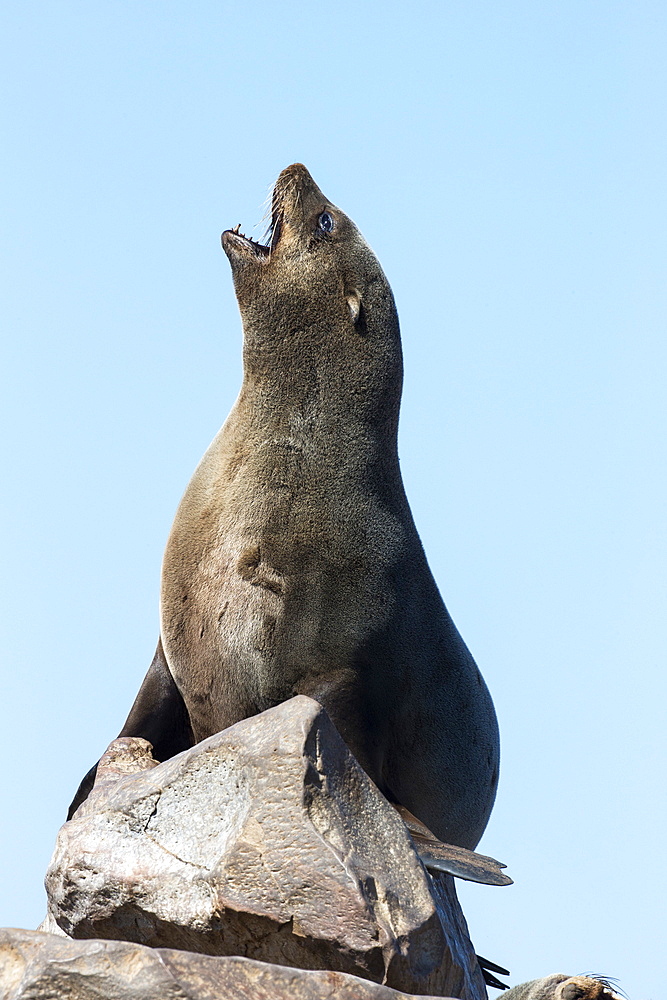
(562, 987)
(293, 565)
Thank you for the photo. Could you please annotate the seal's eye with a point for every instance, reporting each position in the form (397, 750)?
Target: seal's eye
(326, 222)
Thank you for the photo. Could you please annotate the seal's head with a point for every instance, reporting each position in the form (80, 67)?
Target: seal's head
(315, 296)
(561, 987)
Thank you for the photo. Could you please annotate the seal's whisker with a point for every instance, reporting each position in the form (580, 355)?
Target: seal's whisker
(268, 223)
(608, 982)
(267, 215)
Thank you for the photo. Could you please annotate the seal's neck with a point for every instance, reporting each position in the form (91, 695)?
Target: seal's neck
(324, 422)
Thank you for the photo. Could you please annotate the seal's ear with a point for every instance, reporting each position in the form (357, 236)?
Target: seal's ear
(354, 304)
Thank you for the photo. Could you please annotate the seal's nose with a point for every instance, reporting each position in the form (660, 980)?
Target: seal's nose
(295, 186)
(296, 202)
(297, 173)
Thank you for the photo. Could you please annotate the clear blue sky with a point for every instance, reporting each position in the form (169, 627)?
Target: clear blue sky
(507, 162)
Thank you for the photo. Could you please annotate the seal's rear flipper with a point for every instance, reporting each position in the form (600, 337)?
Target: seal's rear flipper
(158, 715)
(488, 968)
(449, 858)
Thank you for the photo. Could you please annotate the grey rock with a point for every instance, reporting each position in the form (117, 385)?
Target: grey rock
(36, 966)
(266, 841)
(561, 987)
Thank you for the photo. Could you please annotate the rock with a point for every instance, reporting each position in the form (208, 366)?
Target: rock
(126, 755)
(268, 841)
(130, 754)
(562, 987)
(36, 966)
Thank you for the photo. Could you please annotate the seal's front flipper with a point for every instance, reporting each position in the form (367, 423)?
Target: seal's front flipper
(158, 715)
(449, 858)
(83, 791)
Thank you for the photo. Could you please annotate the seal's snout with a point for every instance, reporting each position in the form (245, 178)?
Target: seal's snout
(293, 179)
(296, 198)
(296, 173)
(584, 988)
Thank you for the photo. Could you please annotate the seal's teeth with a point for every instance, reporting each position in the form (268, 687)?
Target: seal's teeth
(236, 228)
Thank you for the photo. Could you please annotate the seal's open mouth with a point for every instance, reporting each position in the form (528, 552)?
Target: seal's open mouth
(260, 250)
(241, 240)
(296, 199)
